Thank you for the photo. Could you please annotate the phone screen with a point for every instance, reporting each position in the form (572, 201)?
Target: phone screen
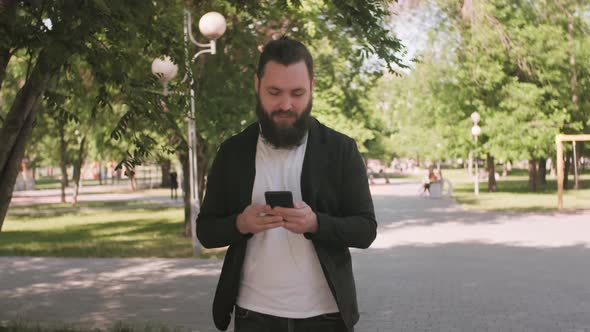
(279, 198)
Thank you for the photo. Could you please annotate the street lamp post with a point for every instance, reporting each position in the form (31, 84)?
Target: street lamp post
(476, 131)
(212, 25)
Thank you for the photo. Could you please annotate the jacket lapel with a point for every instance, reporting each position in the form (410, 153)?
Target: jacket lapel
(247, 165)
(313, 164)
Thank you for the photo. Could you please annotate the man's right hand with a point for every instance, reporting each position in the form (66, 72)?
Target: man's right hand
(256, 218)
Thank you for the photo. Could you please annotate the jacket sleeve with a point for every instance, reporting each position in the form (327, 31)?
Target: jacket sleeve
(356, 225)
(216, 223)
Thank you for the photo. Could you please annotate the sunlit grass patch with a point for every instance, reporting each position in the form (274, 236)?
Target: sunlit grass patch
(97, 233)
(512, 193)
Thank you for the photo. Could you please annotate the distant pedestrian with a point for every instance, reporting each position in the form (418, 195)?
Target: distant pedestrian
(370, 175)
(383, 175)
(173, 185)
(113, 166)
(431, 178)
(130, 173)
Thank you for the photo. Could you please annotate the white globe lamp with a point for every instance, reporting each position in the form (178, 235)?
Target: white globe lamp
(475, 130)
(164, 69)
(475, 117)
(212, 25)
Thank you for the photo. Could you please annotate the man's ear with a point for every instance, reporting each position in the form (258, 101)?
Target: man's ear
(256, 83)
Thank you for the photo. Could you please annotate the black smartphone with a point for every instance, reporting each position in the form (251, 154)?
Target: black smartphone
(279, 198)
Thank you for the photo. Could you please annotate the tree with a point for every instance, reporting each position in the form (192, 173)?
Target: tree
(220, 115)
(99, 32)
(116, 41)
(507, 60)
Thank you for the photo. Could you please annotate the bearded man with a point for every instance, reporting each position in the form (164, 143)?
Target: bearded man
(287, 268)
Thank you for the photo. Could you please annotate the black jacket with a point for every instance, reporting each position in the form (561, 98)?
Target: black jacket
(333, 183)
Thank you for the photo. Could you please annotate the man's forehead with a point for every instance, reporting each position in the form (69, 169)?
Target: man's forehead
(292, 74)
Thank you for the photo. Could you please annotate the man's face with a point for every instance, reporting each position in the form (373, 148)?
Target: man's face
(284, 103)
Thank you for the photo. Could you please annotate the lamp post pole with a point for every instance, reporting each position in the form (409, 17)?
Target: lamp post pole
(212, 25)
(476, 188)
(476, 131)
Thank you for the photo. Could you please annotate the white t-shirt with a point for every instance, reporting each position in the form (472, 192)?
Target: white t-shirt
(282, 275)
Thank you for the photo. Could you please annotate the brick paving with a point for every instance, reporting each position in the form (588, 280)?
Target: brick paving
(433, 267)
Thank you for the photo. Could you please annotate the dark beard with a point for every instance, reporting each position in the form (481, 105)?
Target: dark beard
(283, 137)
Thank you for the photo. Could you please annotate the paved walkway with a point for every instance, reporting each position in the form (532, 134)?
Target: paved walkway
(433, 267)
(154, 198)
(103, 193)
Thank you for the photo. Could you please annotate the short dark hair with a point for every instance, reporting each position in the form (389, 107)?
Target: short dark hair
(285, 51)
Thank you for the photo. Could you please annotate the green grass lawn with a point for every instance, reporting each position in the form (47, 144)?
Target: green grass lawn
(512, 193)
(137, 229)
(102, 232)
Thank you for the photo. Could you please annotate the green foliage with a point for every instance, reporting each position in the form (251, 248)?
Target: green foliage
(99, 54)
(507, 60)
(224, 82)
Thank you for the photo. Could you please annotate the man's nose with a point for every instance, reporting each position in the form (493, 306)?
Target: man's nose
(286, 103)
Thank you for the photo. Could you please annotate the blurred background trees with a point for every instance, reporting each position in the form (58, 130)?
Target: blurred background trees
(76, 85)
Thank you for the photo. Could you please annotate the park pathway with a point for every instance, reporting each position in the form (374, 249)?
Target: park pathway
(433, 267)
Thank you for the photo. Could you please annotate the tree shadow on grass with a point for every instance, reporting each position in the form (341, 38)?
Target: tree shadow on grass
(59, 210)
(510, 210)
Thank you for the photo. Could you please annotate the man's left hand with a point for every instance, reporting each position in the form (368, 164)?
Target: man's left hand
(300, 219)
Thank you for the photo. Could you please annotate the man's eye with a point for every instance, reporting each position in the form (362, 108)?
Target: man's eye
(298, 93)
(274, 93)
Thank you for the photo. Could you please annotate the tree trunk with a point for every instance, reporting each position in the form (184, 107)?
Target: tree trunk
(552, 170)
(491, 173)
(574, 74)
(4, 59)
(25, 102)
(202, 166)
(13, 165)
(18, 125)
(78, 169)
(578, 154)
(566, 171)
(532, 175)
(573, 78)
(183, 158)
(583, 154)
(573, 87)
(542, 171)
(7, 20)
(165, 166)
(63, 160)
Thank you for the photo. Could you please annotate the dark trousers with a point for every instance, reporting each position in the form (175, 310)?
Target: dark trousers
(251, 321)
